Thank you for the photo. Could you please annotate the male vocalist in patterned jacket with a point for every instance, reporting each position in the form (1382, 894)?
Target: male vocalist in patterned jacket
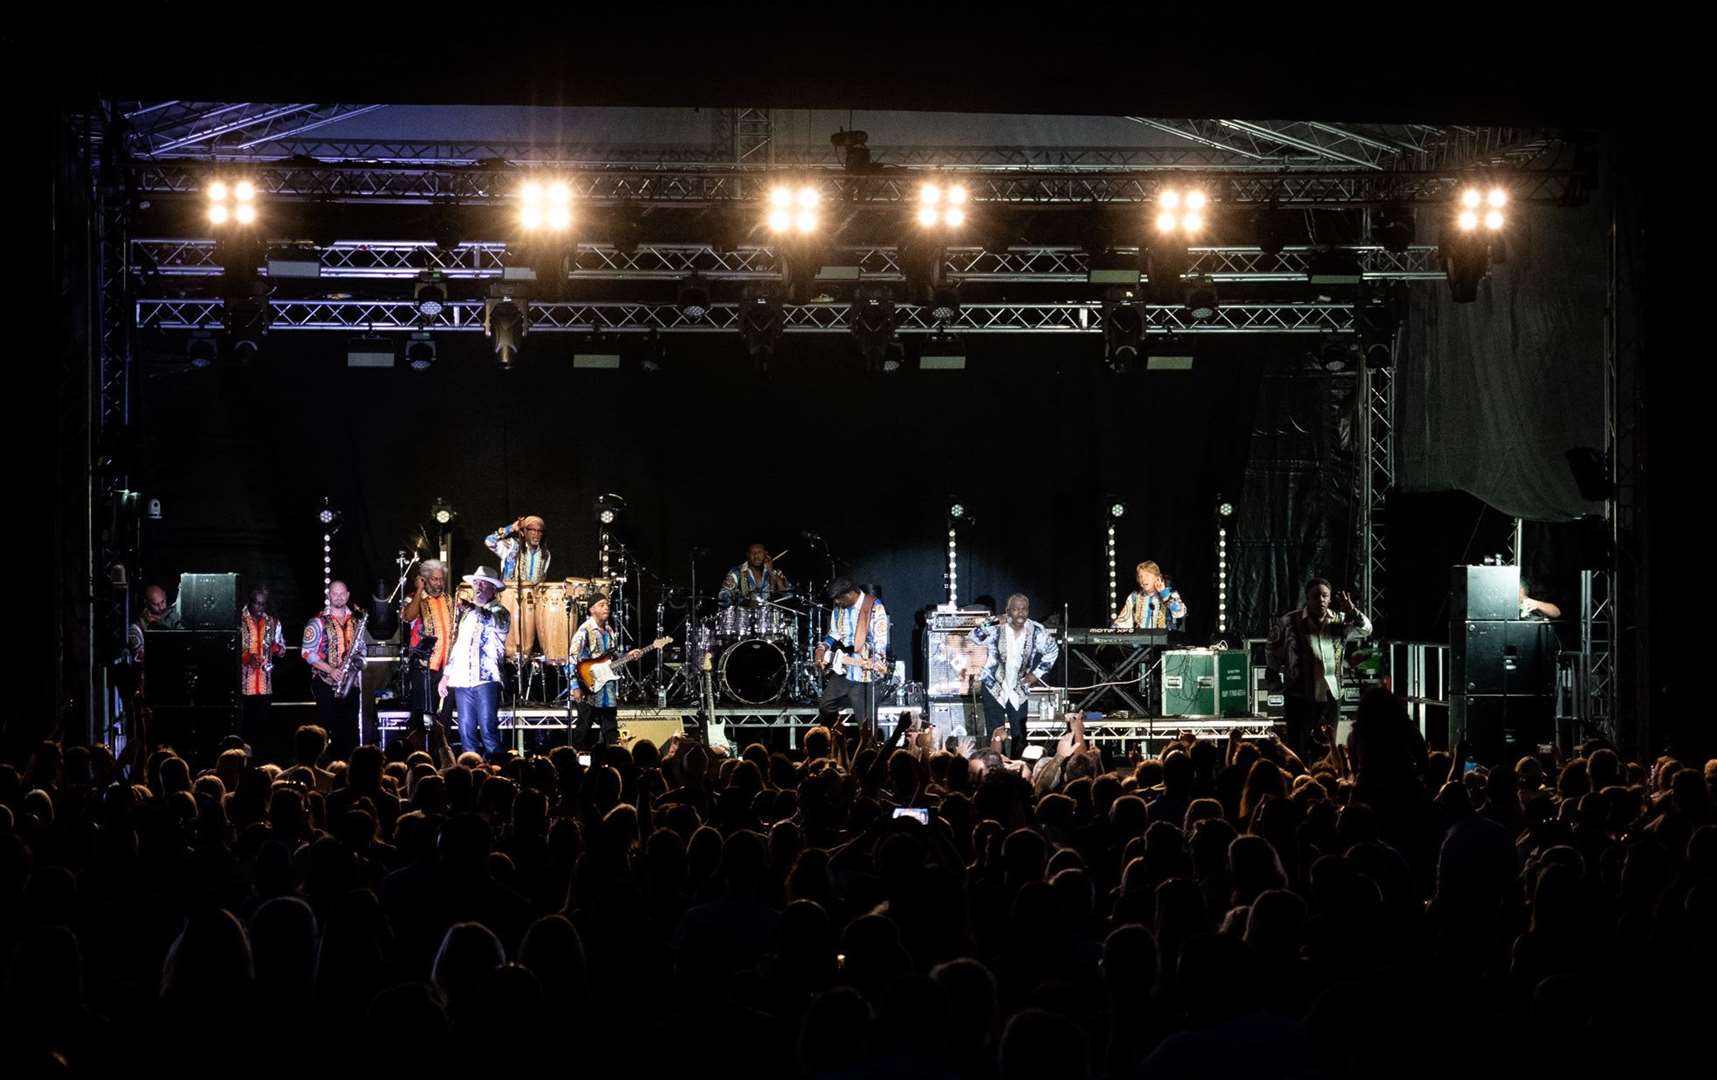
(1022, 652)
(473, 669)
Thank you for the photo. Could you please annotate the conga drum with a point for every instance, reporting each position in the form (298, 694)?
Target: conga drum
(554, 628)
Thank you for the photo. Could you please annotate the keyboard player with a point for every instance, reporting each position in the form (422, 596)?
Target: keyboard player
(1154, 605)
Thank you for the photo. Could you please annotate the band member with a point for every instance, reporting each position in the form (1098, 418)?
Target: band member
(1022, 652)
(1306, 649)
(429, 618)
(1530, 608)
(859, 631)
(334, 647)
(261, 642)
(595, 639)
(754, 579)
(472, 670)
(157, 614)
(1154, 605)
(524, 562)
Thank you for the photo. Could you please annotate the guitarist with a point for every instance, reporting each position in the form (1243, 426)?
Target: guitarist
(334, 644)
(858, 633)
(596, 639)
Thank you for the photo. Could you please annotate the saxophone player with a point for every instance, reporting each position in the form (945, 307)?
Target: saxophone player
(334, 647)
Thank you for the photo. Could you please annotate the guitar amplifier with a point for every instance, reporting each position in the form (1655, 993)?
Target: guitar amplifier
(191, 669)
(208, 601)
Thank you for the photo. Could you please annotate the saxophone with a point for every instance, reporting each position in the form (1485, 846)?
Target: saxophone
(354, 664)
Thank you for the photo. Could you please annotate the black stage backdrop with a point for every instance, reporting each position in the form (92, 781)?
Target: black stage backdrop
(1035, 437)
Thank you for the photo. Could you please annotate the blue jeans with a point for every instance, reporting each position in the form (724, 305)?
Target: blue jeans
(479, 720)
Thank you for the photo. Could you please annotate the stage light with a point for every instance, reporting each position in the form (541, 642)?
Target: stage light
(693, 299)
(928, 215)
(606, 517)
(545, 205)
(233, 203)
(1469, 220)
(1471, 198)
(957, 511)
(1393, 228)
(327, 514)
(780, 220)
(781, 196)
(1117, 509)
(1222, 570)
(1493, 220)
(1179, 211)
(953, 217)
(808, 197)
(1225, 509)
(945, 302)
(956, 194)
(930, 194)
(942, 352)
(1109, 550)
(873, 323)
(1123, 330)
(1497, 199)
(805, 221)
(443, 513)
(761, 322)
(1202, 301)
(504, 320)
(201, 350)
(429, 295)
(420, 352)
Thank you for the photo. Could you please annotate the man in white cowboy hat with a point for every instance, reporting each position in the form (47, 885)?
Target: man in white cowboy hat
(473, 667)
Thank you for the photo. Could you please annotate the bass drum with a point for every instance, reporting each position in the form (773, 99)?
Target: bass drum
(754, 672)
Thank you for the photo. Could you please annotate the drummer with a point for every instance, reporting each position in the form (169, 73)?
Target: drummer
(753, 581)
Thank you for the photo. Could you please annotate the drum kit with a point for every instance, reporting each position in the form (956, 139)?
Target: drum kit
(758, 651)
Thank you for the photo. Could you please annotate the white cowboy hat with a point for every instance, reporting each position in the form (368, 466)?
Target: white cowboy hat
(486, 573)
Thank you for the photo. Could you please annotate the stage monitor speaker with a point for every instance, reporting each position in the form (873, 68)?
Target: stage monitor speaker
(657, 729)
(1484, 592)
(208, 601)
(191, 669)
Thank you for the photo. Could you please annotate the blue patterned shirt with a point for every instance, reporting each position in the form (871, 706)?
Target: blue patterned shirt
(592, 640)
(1041, 652)
(843, 627)
(479, 640)
(510, 549)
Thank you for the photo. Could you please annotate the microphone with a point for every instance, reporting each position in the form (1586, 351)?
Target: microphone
(699, 551)
(809, 535)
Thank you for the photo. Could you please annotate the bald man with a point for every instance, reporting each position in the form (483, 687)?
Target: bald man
(157, 614)
(524, 560)
(334, 647)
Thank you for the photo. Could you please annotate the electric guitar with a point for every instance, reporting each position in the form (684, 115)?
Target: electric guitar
(599, 671)
(837, 660)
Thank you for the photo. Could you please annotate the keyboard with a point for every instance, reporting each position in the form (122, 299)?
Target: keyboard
(1103, 635)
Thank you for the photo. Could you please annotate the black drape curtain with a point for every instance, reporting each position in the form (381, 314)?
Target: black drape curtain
(1295, 517)
(1491, 395)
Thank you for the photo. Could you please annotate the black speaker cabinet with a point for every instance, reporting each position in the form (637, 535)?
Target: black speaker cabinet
(191, 669)
(1484, 592)
(1502, 728)
(1496, 657)
(208, 601)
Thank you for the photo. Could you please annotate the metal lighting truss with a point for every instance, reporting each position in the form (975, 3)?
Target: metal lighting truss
(718, 185)
(467, 315)
(194, 128)
(1376, 479)
(1021, 265)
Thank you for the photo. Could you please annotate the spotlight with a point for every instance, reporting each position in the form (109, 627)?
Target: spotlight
(1497, 198)
(945, 302)
(1392, 228)
(1181, 211)
(957, 511)
(443, 512)
(1493, 220)
(1271, 230)
(1336, 356)
(504, 320)
(608, 509)
(420, 352)
(1469, 220)
(606, 517)
(655, 354)
(1202, 301)
(1224, 509)
(928, 216)
(693, 299)
(429, 295)
(1117, 509)
(941, 206)
(231, 203)
(1123, 329)
(793, 208)
(328, 515)
(761, 322)
(201, 350)
(872, 322)
(545, 205)
(930, 194)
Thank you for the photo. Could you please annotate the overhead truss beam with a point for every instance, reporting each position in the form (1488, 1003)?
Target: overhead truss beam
(1067, 318)
(1024, 265)
(727, 185)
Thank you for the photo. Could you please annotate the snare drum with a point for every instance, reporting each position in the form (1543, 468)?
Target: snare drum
(754, 671)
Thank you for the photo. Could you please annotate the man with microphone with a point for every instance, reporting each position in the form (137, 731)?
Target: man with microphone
(1021, 652)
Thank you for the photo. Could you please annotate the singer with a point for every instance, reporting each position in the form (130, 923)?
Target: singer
(1021, 653)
